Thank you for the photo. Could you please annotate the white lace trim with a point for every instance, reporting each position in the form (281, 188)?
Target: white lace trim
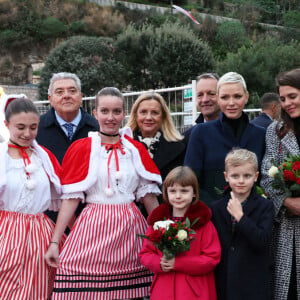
(79, 195)
(150, 188)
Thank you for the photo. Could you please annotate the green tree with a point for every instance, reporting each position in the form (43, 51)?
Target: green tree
(160, 57)
(52, 28)
(230, 37)
(91, 58)
(291, 19)
(261, 62)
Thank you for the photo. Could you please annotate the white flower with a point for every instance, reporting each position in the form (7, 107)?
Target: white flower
(273, 171)
(162, 224)
(182, 235)
(30, 184)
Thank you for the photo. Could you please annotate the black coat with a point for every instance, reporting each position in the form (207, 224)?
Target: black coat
(51, 135)
(168, 155)
(263, 120)
(244, 270)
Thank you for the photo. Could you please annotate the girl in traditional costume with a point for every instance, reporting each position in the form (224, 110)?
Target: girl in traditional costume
(29, 184)
(108, 170)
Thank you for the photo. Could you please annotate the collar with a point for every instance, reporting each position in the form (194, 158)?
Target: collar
(197, 210)
(200, 119)
(267, 116)
(243, 117)
(75, 121)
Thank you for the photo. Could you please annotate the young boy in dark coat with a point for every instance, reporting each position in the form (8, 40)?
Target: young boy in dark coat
(243, 220)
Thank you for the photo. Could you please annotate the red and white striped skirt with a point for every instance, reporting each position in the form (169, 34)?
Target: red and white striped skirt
(100, 257)
(24, 239)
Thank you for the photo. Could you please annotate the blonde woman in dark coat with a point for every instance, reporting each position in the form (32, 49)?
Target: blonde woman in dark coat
(151, 123)
(283, 138)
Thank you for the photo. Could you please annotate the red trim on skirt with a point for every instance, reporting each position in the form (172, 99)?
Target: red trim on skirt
(24, 239)
(100, 257)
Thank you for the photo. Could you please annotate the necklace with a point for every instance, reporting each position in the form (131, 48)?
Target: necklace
(106, 134)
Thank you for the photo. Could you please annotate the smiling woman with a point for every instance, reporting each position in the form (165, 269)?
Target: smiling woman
(152, 124)
(108, 170)
(282, 140)
(210, 142)
(29, 184)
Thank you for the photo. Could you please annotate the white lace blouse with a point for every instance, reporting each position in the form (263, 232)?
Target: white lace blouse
(126, 186)
(16, 196)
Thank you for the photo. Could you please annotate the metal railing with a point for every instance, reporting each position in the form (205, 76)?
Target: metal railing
(181, 101)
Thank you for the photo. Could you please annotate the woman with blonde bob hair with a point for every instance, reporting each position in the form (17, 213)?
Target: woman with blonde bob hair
(211, 141)
(152, 124)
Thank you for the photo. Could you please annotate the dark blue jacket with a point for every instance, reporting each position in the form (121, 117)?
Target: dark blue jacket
(244, 271)
(51, 136)
(188, 132)
(208, 145)
(262, 120)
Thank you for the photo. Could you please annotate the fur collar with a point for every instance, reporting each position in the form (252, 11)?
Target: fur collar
(197, 210)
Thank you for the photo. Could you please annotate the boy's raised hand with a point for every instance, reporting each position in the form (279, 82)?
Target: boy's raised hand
(234, 207)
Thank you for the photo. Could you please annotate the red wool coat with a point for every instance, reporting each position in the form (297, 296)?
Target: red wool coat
(192, 277)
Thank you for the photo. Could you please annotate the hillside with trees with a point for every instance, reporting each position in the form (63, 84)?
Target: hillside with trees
(134, 49)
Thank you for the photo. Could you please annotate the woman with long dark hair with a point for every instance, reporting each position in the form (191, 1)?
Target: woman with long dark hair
(282, 139)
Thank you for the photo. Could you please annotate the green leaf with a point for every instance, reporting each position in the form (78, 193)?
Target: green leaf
(187, 223)
(194, 222)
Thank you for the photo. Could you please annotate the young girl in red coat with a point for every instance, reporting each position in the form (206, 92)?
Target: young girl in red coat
(190, 274)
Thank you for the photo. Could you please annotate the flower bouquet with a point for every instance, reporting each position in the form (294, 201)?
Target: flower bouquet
(287, 176)
(171, 237)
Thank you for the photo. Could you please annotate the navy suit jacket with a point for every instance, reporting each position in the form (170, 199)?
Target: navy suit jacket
(262, 120)
(188, 132)
(208, 145)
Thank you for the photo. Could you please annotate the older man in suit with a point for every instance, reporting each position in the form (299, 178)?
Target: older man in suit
(66, 121)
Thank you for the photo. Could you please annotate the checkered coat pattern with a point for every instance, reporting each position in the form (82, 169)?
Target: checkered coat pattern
(286, 229)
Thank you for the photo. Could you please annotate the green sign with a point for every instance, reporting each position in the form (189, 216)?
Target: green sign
(187, 93)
